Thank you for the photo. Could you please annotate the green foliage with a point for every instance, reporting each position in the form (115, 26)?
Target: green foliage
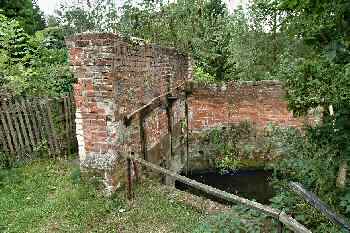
(321, 76)
(201, 76)
(256, 41)
(244, 45)
(196, 27)
(33, 65)
(25, 12)
(313, 163)
(241, 146)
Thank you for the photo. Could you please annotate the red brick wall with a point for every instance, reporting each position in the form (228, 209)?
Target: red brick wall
(116, 76)
(259, 102)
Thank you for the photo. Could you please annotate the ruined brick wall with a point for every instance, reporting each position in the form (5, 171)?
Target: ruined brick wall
(260, 102)
(116, 76)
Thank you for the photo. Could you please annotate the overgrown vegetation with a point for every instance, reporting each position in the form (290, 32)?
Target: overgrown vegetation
(32, 65)
(314, 163)
(306, 157)
(241, 146)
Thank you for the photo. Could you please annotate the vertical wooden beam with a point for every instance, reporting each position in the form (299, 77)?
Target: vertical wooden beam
(71, 107)
(3, 141)
(128, 160)
(279, 227)
(136, 171)
(170, 135)
(187, 136)
(143, 138)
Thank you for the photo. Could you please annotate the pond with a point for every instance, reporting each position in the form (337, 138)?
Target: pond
(251, 184)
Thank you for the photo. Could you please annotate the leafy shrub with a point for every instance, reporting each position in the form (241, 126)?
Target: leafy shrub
(315, 166)
(203, 77)
(32, 65)
(241, 146)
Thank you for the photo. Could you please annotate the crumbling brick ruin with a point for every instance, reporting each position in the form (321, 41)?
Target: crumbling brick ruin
(116, 76)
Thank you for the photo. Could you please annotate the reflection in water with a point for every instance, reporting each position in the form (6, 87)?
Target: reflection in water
(249, 184)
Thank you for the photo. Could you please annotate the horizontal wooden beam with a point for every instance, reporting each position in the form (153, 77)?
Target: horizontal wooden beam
(155, 102)
(288, 221)
(314, 201)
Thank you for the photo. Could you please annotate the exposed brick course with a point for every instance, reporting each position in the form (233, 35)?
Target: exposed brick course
(258, 102)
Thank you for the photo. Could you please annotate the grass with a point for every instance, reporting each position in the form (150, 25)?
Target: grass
(47, 196)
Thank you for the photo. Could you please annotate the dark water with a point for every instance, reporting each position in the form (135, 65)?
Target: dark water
(248, 184)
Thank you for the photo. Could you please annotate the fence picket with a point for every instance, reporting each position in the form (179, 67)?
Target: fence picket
(6, 129)
(37, 119)
(14, 114)
(12, 130)
(28, 123)
(51, 129)
(3, 139)
(20, 114)
(46, 128)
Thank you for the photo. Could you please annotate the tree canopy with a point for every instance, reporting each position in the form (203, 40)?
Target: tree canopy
(26, 12)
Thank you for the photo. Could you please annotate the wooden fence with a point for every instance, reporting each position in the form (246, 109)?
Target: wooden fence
(28, 125)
